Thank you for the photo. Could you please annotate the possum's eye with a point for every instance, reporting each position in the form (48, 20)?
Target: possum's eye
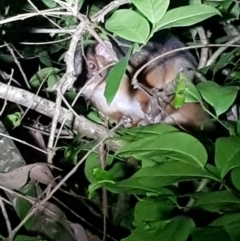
(92, 66)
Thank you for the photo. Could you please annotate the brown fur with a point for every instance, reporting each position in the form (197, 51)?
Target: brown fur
(134, 102)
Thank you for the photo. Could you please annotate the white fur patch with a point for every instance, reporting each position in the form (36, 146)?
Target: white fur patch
(121, 102)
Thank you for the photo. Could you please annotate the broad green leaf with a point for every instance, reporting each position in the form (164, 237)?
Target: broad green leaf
(22, 206)
(128, 25)
(210, 234)
(176, 146)
(219, 97)
(6, 58)
(118, 170)
(94, 116)
(45, 58)
(148, 210)
(91, 163)
(50, 3)
(192, 2)
(27, 238)
(220, 201)
(226, 219)
(191, 93)
(229, 231)
(143, 131)
(131, 187)
(186, 16)
(228, 8)
(151, 179)
(170, 172)
(227, 154)
(115, 77)
(178, 229)
(52, 79)
(42, 74)
(235, 174)
(152, 9)
(101, 174)
(224, 60)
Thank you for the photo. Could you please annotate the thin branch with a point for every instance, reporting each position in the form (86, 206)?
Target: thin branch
(102, 158)
(200, 187)
(47, 108)
(5, 215)
(18, 65)
(29, 215)
(44, 15)
(99, 16)
(218, 52)
(69, 77)
(23, 142)
(5, 99)
(134, 79)
(204, 51)
(53, 11)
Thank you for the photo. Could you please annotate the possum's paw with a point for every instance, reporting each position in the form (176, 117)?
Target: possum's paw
(126, 121)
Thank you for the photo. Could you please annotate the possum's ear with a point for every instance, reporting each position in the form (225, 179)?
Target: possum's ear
(78, 62)
(104, 52)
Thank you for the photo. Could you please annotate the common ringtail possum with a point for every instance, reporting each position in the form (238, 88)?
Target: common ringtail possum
(132, 106)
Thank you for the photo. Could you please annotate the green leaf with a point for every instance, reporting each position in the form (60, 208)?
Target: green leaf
(14, 119)
(131, 187)
(220, 201)
(228, 8)
(191, 93)
(27, 238)
(7, 58)
(151, 179)
(222, 229)
(152, 9)
(118, 170)
(186, 16)
(128, 25)
(176, 146)
(43, 74)
(219, 97)
(235, 173)
(192, 2)
(227, 154)
(178, 229)
(50, 3)
(92, 163)
(143, 131)
(94, 116)
(148, 210)
(101, 174)
(115, 76)
(210, 234)
(52, 79)
(179, 92)
(226, 219)
(44, 58)
(168, 173)
(22, 206)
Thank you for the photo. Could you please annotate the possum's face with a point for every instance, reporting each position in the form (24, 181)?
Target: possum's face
(94, 65)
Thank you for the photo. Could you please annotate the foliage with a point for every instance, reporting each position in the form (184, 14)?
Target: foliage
(181, 186)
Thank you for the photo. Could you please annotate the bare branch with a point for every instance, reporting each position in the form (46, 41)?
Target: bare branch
(47, 108)
(204, 51)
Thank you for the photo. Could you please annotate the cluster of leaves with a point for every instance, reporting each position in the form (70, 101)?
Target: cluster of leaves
(167, 159)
